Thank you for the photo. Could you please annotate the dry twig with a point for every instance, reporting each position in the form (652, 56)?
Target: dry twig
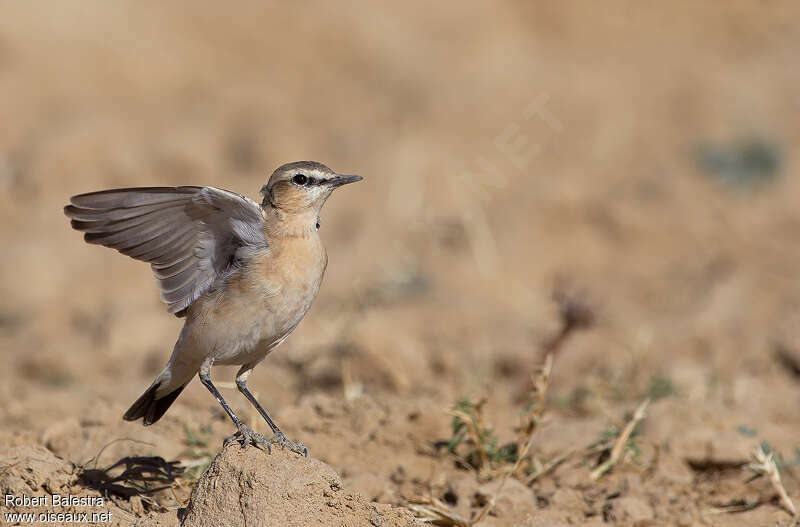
(622, 440)
(548, 467)
(735, 506)
(351, 387)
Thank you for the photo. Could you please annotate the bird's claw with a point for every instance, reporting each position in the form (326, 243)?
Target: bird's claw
(295, 446)
(246, 436)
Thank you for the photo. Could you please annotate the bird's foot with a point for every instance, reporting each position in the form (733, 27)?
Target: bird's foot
(295, 446)
(246, 436)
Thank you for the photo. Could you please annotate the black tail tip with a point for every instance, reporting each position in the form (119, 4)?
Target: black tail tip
(150, 409)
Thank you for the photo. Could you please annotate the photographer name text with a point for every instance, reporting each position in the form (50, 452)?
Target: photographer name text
(55, 501)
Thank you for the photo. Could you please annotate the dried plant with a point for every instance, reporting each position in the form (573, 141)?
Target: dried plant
(540, 384)
(621, 444)
(433, 511)
(473, 441)
(765, 465)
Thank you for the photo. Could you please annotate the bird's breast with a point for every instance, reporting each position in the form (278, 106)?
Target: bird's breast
(262, 303)
(284, 281)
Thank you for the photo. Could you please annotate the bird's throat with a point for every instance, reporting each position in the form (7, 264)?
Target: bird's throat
(279, 223)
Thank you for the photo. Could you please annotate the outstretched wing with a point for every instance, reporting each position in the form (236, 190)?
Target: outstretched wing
(190, 236)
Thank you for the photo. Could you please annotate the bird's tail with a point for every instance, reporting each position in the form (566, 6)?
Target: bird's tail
(150, 408)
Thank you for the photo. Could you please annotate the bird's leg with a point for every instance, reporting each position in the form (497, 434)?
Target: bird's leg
(277, 438)
(244, 434)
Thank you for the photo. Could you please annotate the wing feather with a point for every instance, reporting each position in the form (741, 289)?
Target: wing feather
(173, 283)
(168, 249)
(147, 216)
(109, 215)
(193, 237)
(162, 271)
(132, 197)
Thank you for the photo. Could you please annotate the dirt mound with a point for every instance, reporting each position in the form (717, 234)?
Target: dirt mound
(33, 470)
(246, 486)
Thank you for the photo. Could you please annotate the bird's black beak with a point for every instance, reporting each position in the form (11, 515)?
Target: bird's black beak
(338, 181)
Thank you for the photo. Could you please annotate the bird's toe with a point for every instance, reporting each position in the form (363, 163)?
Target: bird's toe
(295, 446)
(246, 437)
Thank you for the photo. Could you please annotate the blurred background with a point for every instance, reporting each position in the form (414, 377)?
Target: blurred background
(637, 159)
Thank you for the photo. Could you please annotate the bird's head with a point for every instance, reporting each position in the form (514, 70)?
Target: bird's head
(302, 187)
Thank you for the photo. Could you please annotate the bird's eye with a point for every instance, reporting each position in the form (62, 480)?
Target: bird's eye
(299, 179)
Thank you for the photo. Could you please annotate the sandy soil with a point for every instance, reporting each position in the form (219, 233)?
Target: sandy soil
(520, 159)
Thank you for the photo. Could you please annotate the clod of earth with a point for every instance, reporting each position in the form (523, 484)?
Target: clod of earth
(246, 486)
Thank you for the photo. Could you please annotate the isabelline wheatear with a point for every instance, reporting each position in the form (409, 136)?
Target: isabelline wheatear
(242, 274)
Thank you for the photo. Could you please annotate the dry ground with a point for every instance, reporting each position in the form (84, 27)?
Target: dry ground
(638, 159)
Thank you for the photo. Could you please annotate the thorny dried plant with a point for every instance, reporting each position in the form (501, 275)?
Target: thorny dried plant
(474, 444)
(765, 465)
(473, 441)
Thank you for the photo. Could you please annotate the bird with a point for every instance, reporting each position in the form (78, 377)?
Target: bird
(242, 274)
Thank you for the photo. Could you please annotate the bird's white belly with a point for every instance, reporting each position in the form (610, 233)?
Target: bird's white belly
(239, 341)
(248, 346)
